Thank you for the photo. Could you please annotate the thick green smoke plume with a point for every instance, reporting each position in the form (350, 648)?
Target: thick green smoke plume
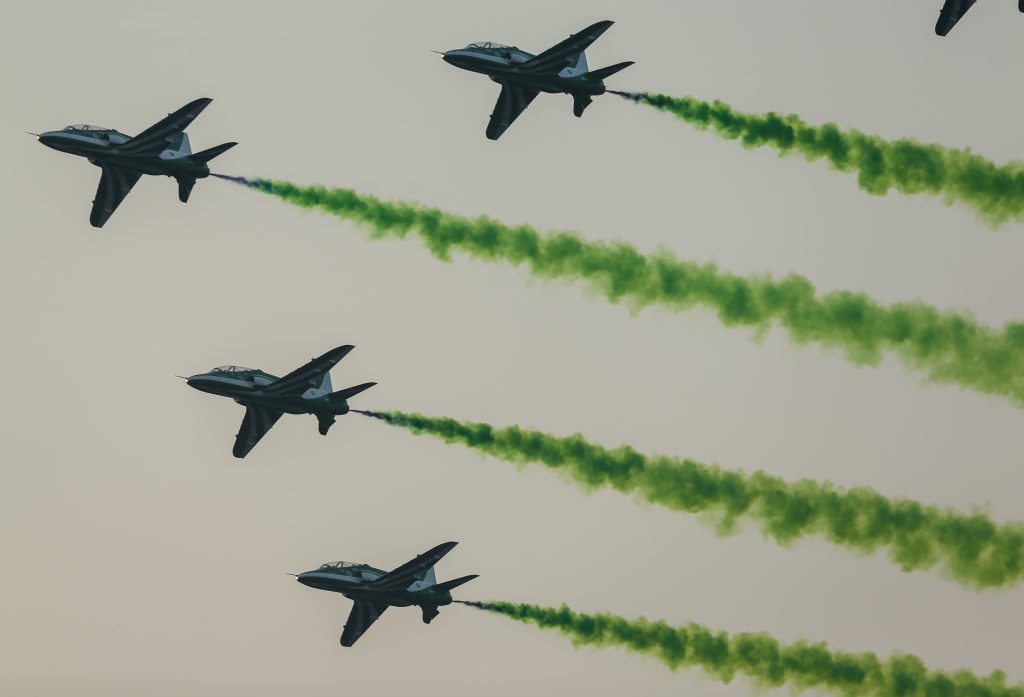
(970, 548)
(950, 347)
(996, 192)
(762, 658)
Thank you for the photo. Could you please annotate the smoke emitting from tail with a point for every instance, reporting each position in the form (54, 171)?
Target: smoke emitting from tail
(971, 548)
(951, 347)
(996, 192)
(760, 657)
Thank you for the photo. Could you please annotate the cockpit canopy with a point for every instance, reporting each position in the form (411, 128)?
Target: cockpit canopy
(488, 45)
(232, 369)
(97, 132)
(86, 127)
(340, 565)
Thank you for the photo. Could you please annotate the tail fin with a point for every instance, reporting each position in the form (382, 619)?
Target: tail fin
(179, 144)
(602, 73)
(352, 391)
(577, 66)
(207, 155)
(455, 582)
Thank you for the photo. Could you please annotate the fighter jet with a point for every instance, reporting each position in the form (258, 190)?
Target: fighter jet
(162, 148)
(953, 10)
(522, 75)
(266, 397)
(373, 591)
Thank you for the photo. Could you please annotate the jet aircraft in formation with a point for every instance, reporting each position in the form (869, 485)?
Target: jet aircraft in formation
(163, 148)
(306, 390)
(522, 75)
(953, 10)
(373, 591)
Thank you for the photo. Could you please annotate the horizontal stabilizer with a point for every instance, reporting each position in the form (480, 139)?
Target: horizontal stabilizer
(602, 73)
(429, 612)
(579, 103)
(455, 582)
(351, 391)
(209, 154)
(326, 421)
(185, 185)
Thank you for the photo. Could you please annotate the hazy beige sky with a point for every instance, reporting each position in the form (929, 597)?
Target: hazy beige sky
(141, 558)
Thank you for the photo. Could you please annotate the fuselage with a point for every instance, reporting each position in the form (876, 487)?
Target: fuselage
(245, 386)
(500, 63)
(353, 581)
(102, 145)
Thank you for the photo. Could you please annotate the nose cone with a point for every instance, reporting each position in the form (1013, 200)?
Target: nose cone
(201, 382)
(303, 578)
(457, 57)
(50, 139)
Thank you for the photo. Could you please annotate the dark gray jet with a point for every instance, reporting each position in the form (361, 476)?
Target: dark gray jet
(161, 149)
(266, 397)
(522, 75)
(373, 591)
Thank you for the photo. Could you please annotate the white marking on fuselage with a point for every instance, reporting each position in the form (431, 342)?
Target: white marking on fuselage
(332, 577)
(81, 139)
(479, 54)
(223, 380)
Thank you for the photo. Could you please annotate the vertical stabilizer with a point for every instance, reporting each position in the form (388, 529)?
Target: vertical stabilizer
(325, 384)
(577, 66)
(323, 388)
(178, 145)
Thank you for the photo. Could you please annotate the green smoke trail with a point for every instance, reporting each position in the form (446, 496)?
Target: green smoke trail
(760, 657)
(996, 192)
(971, 548)
(951, 347)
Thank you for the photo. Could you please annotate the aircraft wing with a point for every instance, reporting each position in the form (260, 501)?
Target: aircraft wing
(115, 183)
(255, 424)
(564, 53)
(154, 139)
(403, 576)
(364, 613)
(309, 375)
(950, 14)
(511, 103)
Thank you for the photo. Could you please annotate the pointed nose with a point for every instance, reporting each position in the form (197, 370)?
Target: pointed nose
(199, 382)
(456, 57)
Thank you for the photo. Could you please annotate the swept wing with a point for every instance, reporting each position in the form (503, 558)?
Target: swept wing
(309, 375)
(364, 613)
(403, 576)
(115, 183)
(950, 14)
(255, 424)
(154, 139)
(512, 101)
(564, 53)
